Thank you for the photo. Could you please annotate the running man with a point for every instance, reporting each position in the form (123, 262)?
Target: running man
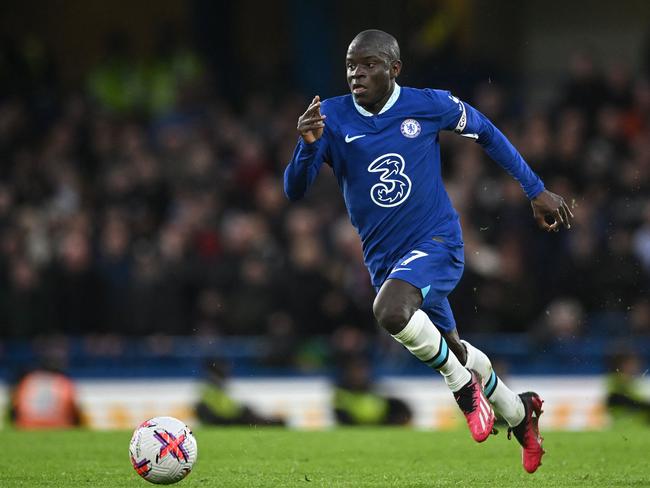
(382, 143)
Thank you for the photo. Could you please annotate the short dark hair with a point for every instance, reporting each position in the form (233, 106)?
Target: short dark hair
(382, 41)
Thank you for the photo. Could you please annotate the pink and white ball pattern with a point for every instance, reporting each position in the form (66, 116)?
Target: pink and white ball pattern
(163, 450)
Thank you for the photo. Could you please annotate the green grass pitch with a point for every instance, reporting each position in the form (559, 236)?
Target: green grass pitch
(377, 457)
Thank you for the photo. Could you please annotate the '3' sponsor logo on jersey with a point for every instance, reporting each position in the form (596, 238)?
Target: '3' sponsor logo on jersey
(394, 186)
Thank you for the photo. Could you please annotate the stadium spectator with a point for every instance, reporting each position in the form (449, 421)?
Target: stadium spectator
(357, 403)
(216, 407)
(44, 399)
(625, 401)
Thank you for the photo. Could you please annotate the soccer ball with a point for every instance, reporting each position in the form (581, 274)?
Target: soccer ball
(163, 450)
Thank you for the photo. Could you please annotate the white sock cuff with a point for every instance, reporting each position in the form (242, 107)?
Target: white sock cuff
(478, 361)
(424, 341)
(413, 328)
(420, 337)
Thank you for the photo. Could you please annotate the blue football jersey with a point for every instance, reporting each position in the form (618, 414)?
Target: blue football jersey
(388, 168)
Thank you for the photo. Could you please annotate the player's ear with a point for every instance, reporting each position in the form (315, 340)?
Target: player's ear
(395, 68)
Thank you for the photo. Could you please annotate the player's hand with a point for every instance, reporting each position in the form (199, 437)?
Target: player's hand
(311, 123)
(550, 211)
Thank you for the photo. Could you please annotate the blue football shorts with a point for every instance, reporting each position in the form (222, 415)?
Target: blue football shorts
(435, 268)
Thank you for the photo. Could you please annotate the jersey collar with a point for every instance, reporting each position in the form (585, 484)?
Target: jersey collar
(389, 103)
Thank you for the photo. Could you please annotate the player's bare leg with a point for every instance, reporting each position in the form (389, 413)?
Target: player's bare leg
(397, 309)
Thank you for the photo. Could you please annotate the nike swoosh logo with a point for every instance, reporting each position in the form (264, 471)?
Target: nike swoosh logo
(401, 269)
(349, 139)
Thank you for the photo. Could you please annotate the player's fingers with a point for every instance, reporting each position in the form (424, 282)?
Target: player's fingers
(307, 119)
(550, 221)
(541, 222)
(565, 216)
(313, 109)
(538, 218)
(567, 209)
(312, 127)
(311, 120)
(314, 102)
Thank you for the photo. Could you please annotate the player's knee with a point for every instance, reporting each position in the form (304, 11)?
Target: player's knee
(391, 317)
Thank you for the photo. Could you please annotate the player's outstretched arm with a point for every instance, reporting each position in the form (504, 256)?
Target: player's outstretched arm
(309, 153)
(550, 211)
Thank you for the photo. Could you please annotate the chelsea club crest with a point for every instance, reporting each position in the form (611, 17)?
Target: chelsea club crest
(410, 128)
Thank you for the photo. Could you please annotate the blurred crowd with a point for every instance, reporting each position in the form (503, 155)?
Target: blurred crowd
(145, 202)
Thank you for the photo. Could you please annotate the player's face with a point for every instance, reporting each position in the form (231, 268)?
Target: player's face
(370, 76)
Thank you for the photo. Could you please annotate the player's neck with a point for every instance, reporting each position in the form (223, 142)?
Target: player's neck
(376, 108)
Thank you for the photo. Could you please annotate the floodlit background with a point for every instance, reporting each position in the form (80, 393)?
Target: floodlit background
(146, 245)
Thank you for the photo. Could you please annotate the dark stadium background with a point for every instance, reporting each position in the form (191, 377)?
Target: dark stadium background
(143, 228)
